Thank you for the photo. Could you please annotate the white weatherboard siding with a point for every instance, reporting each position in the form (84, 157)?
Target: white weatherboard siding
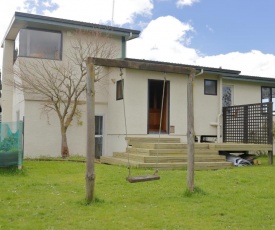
(244, 93)
(7, 91)
(178, 104)
(206, 107)
(42, 132)
(42, 135)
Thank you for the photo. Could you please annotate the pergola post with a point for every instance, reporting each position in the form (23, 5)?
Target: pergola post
(190, 131)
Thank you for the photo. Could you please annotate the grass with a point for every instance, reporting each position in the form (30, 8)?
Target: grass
(50, 195)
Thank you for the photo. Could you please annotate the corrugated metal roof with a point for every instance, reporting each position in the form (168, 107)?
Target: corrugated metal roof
(251, 78)
(73, 22)
(22, 20)
(198, 68)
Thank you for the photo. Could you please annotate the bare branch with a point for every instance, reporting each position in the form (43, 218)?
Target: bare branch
(60, 84)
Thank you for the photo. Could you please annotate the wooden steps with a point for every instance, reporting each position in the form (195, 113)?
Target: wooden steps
(166, 153)
(171, 152)
(167, 158)
(166, 166)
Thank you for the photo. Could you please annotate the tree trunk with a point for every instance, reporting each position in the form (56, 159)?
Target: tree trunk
(64, 144)
(190, 132)
(90, 151)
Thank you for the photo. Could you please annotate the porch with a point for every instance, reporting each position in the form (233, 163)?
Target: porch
(246, 129)
(170, 153)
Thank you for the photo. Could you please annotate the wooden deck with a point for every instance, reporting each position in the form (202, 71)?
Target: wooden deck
(170, 153)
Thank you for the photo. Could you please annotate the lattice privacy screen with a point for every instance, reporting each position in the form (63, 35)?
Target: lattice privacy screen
(248, 123)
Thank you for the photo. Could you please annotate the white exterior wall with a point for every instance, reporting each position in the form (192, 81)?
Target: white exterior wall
(206, 107)
(178, 105)
(42, 132)
(245, 92)
(7, 90)
(42, 136)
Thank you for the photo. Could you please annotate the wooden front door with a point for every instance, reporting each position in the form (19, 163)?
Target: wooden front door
(155, 91)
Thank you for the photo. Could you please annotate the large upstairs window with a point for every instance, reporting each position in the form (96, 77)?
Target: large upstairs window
(38, 44)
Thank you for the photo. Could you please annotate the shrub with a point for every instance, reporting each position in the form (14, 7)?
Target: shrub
(9, 143)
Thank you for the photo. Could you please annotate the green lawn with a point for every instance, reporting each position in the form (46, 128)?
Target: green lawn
(50, 195)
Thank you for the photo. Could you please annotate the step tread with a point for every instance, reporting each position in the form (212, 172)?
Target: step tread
(153, 139)
(174, 165)
(168, 159)
(169, 151)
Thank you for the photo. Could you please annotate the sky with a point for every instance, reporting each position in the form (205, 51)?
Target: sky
(228, 34)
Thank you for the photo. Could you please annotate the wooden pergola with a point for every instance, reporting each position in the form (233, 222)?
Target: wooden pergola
(167, 68)
(143, 65)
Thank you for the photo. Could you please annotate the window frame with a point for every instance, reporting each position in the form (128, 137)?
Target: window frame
(216, 87)
(232, 94)
(271, 88)
(16, 49)
(120, 89)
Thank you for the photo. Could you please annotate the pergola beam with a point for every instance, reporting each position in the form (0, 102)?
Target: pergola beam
(143, 65)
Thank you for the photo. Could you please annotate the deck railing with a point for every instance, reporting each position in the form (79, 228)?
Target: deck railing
(248, 124)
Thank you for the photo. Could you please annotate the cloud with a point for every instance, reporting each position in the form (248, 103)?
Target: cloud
(253, 63)
(209, 28)
(167, 39)
(164, 39)
(181, 3)
(39, 6)
(6, 13)
(96, 11)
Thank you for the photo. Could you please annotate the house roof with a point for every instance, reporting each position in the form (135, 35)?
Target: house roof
(142, 65)
(24, 20)
(168, 67)
(198, 68)
(160, 66)
(266, 80)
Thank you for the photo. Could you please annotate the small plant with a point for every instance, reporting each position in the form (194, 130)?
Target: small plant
(9, 143)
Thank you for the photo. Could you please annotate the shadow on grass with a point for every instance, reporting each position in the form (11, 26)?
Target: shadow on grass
(197, 191)
(12, 171)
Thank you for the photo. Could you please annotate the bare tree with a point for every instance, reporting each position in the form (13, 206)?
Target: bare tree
(60, 84)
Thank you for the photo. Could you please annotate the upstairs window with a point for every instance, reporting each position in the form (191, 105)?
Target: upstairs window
(38, 44)
(210, 87)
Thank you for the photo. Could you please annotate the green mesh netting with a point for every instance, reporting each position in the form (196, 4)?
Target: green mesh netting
(11, 144)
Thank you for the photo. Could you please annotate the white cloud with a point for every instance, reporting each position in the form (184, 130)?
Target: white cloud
(181, 3)
(97, 11)
(163, 39)
(6, 13)
(253, 63)
(209, 28)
